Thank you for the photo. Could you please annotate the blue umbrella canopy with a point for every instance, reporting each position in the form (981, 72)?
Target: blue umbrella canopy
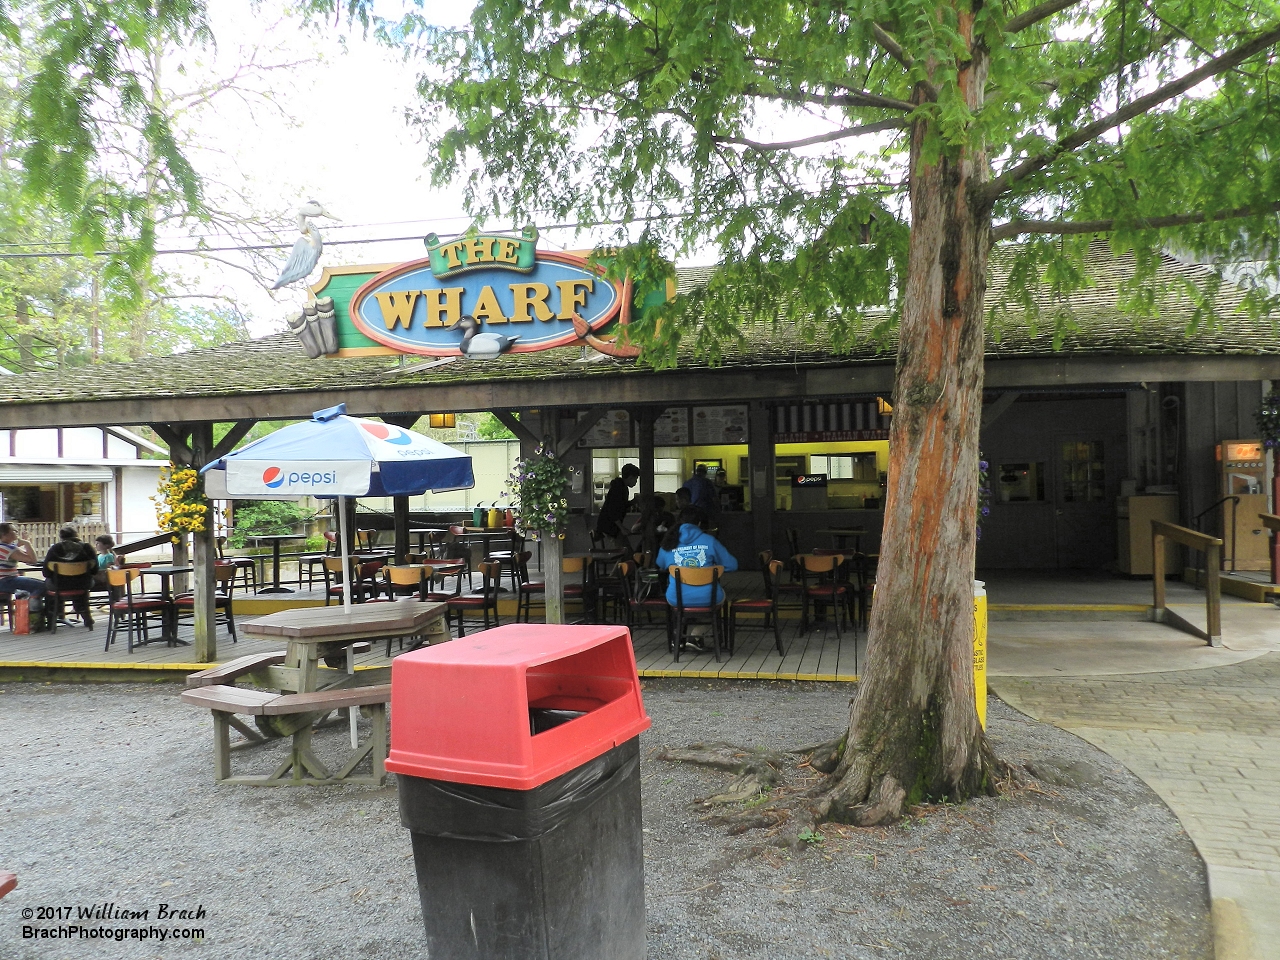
(334, 455)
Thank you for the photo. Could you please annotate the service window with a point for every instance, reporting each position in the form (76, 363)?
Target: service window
(1020, 482)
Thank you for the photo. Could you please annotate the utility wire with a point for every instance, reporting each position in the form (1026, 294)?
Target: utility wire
(241, 248)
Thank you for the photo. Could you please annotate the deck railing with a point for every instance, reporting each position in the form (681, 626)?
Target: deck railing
(1212, 548)
(45, 535)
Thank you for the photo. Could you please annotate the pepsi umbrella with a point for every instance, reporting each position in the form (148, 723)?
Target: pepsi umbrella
(334, 455)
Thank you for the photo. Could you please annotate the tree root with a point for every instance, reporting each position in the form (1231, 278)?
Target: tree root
(756, 770)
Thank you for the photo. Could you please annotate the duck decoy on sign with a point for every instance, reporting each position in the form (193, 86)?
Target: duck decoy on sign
(482, 345)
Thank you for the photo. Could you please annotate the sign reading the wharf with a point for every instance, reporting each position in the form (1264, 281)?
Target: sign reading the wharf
(482, 296)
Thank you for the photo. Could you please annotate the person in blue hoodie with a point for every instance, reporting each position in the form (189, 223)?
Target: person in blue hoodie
(685, 545)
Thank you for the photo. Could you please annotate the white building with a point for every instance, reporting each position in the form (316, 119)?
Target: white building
(94, 477)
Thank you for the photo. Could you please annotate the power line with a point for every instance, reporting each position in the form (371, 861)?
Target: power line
(244, 248)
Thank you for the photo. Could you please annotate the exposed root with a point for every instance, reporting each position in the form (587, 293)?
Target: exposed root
(825, 757)
(756, 770)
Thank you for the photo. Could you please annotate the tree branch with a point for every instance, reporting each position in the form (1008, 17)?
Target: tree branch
(894, 124)
(1036, 14)
(1130, 110)
(891, 45)
(1016, 228)
(858, 98)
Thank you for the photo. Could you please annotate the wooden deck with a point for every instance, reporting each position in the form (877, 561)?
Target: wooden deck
(74, 653)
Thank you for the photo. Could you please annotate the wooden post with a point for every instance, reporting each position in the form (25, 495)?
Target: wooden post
(400, 511)
(645, 417)
(760, 485)
(553, 577)
(1157, 577)
(205, 554)
(1213, 594)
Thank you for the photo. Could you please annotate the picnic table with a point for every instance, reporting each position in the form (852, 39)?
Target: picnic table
(307, 691)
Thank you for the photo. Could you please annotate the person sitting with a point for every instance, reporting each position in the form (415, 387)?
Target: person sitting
(617, 501)
(105, 545)
(685, 545)
(13, 549)
(655, 520)
(71, 549)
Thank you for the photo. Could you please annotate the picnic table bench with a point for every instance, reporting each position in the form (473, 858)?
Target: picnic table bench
(227, 701)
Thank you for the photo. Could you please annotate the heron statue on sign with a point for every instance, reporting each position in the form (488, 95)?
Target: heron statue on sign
(307, 248)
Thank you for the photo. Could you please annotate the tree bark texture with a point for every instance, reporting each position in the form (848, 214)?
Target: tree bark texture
(913, 730)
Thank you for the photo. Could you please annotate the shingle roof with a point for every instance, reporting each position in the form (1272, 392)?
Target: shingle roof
(277, 363)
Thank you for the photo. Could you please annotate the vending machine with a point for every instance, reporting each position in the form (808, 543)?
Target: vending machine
(1242, 472)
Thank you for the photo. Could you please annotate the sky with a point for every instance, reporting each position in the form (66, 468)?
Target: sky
(334, 132)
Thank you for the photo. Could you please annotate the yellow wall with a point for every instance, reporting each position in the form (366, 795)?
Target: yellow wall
(837, 490)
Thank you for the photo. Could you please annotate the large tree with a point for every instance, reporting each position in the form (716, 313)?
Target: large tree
(842, 157)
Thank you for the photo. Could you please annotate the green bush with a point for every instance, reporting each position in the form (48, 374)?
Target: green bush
(263, 518)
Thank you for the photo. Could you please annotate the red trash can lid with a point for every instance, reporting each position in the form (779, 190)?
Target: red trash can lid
(515, 706)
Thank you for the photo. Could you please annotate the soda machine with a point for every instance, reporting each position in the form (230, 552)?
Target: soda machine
(1242, 472)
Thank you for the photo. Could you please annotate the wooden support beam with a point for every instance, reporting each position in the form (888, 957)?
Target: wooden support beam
(400, 505)
(509, 420)
(239, 430)
(645, 418)
(581, 428)
(997, 407)
(404, 421)
(204, 555)
(175, 435)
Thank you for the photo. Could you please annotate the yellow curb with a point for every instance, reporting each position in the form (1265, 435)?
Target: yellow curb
(1232, 939)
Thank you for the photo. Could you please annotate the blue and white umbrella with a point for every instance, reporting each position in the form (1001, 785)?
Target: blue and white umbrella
(334, 455)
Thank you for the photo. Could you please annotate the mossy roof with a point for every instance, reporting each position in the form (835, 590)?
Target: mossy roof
(277, 364)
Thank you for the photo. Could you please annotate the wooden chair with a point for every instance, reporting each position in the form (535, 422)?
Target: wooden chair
(245, 567)
(366, 541)
(507, 558)
(224, 578)
(824, 584)
(713, 613)
(58, 591)
(406, 581)
(458, 550)
(136, 611)
(580, 591)
(636, 605)
(864, 584)
(528, 589)
(360, 572)
(483, 602)
(768, 606)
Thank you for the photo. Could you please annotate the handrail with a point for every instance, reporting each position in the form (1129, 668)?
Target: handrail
(1212, 549)
(1235, 504)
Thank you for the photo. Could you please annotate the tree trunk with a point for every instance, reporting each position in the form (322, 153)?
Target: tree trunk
(913, 729)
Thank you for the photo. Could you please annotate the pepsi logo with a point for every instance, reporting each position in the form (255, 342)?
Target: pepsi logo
(387, 433)
(273, 476)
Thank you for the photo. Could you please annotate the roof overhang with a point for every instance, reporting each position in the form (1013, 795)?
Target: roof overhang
(630, 387)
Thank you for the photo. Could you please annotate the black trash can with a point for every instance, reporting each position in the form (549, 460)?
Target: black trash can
(518, 763)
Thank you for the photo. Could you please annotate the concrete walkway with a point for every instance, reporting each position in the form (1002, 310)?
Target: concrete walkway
(1201, 727)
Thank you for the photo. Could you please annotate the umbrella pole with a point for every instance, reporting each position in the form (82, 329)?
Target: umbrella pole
(346, 554)
(346, 605)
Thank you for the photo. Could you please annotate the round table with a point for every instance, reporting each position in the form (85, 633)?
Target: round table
(275, 539)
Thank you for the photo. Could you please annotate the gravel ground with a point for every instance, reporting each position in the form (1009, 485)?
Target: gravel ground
(106, 796)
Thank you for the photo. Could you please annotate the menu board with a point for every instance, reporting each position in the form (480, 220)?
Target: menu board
(611, 430)
(720, 424)
(672, 428)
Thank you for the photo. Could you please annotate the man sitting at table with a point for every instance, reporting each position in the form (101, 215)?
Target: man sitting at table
(14, 549)
(71, 549)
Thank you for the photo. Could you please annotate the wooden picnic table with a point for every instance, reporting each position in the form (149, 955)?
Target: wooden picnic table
(316, 633)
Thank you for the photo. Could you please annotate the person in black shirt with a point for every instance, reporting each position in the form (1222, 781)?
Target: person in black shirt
(71, 549)
(616, 503)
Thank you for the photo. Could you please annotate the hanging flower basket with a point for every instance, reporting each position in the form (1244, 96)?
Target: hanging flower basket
(539, 485)
(181, 506)
(1268, 418)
